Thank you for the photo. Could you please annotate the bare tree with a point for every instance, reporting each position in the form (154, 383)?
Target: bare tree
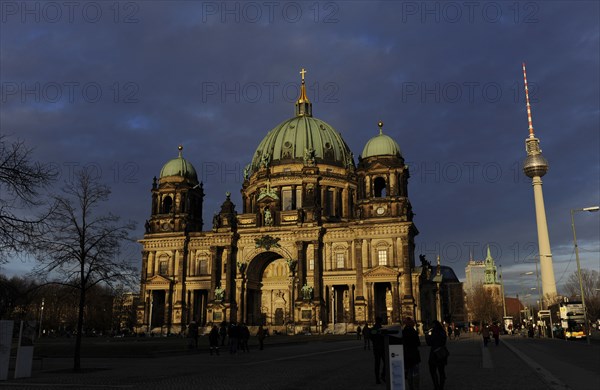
(590, 281)
(20, 183)
(82, 248)
(484, 305)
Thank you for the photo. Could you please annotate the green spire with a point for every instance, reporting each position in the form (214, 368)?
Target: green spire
(490, 269)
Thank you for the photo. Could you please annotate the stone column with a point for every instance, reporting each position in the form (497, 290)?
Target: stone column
(172, 260)
(351, 296)
(300, 247)
(393, 184)
(147, 305)
(177, 264)
(396, 262)
(151, 264)
(168, 309)
(345, 202)
(230, 274)
(396, 312)
(145, 266)
(368, 253)
(240, 299)
(370, 307)
(359, 268)
(214, 271)
(328, 258)
(317, 272)
(405, 279)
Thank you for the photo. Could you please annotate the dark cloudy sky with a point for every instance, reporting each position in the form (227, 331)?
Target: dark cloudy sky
(117, 86)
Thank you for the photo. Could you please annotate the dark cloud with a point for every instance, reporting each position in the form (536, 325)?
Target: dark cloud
(447, 85)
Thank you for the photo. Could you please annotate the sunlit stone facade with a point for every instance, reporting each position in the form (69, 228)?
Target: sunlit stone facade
(319, 243)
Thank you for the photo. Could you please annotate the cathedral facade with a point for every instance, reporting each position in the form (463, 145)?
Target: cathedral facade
(320, 242)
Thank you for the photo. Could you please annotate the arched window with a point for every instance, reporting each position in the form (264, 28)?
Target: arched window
(380, 187)
(202, 266)
(163, 264)
(167, 204)
(382, 256)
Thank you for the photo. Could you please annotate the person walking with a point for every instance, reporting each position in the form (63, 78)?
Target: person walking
(193, 334)
(378, 350)
(244, 337)
(438, 355)
(412, 357)
(366, 332)
(496, 333)
(260, 334)
(213, 340)
(223, 332)
(234, 337)
(358, 332)
(485, 332)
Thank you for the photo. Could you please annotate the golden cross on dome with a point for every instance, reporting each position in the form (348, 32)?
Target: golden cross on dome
(303, 72)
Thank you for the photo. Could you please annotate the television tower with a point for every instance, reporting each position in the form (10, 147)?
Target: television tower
(536, 166)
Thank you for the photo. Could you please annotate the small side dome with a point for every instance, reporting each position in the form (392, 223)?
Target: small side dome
(179, 167)
(381, 145)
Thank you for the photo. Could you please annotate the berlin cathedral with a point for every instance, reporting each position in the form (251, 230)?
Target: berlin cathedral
(322, 243)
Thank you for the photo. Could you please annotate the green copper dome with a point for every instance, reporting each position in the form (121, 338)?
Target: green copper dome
(179, 167)
(381, 145)
(302, 138)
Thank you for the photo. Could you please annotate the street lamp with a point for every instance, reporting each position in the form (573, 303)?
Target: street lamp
(41, 318)
(537, 282)
(589, 209)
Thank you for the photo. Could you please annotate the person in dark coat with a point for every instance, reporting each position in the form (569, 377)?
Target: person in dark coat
(378, 350)
(437, 340)
(495, 333)
(366, 332)
(193, 334)
(412, 357)
(223, 332)
(260, 334)
(213, 340)
(358, 332)
(244, 337)
(234, 337)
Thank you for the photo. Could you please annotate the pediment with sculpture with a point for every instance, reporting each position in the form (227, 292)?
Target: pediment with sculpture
(381, 272)
(157, 280)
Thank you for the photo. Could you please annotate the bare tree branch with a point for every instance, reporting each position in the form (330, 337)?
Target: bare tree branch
(21, 181)
(82, 248)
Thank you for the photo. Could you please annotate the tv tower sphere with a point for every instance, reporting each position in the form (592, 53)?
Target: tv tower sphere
(535, 164)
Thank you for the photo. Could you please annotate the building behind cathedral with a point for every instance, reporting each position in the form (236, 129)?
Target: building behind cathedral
(319, 243)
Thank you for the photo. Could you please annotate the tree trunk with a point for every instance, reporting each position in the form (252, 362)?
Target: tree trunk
(77, 356)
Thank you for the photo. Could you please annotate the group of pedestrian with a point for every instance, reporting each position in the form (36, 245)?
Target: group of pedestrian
(453, 332)
(493, 330)
(438, 353)
(239, 335)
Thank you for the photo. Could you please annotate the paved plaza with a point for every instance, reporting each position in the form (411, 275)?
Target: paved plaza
(321, 363)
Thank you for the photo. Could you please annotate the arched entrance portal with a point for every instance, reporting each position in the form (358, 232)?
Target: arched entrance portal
(268, 291)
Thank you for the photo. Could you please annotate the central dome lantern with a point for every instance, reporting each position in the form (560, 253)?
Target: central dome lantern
(302, 139)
